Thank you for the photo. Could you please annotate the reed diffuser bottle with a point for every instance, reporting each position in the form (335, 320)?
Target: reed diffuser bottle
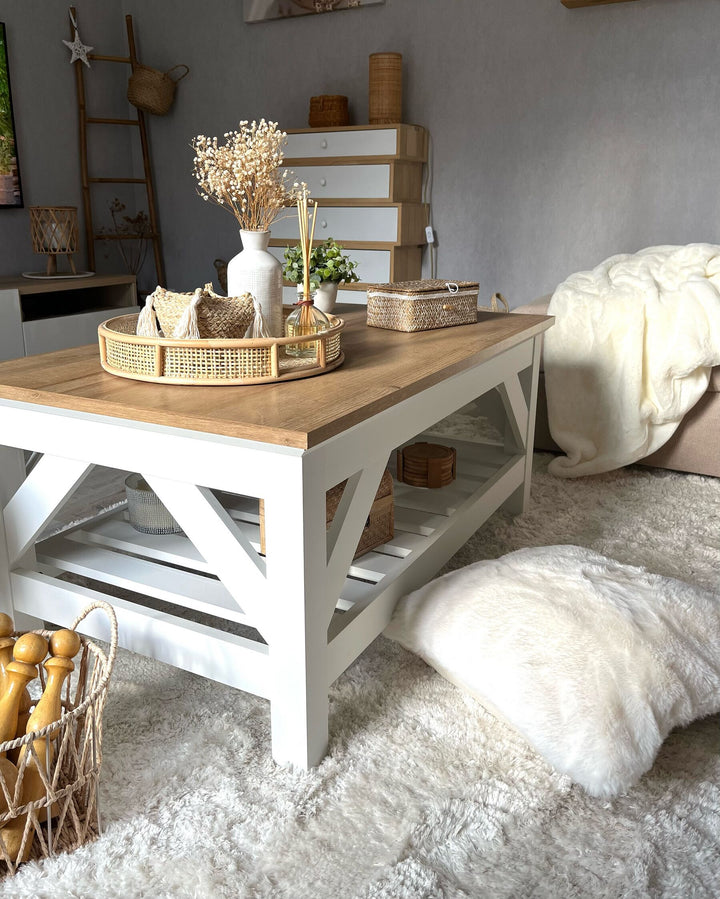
(306, 319)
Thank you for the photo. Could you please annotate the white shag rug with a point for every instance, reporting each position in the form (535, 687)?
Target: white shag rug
(424, 794)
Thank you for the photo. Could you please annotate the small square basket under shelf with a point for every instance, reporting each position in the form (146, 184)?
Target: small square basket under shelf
(380, 524)
(422, 305)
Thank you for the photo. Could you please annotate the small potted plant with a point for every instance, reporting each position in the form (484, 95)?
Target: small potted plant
(329, 267)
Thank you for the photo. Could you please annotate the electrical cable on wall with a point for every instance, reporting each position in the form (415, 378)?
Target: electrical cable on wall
(427, 199)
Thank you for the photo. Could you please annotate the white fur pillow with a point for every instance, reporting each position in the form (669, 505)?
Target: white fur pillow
(594, 662)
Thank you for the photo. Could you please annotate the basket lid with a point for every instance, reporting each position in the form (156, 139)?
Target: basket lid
(428, 285)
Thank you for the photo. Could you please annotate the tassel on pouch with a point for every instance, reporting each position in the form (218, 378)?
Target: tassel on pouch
(259, 327)
(147, 323)
(187, 327)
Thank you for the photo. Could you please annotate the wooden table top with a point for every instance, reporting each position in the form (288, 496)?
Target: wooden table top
(381, 369)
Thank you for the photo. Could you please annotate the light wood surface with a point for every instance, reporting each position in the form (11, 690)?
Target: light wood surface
(381, 369)
(35, 285)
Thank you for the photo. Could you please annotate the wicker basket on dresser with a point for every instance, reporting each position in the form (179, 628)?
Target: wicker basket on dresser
(368, 183)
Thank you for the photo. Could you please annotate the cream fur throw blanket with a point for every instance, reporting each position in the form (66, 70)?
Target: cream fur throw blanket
(630, 352)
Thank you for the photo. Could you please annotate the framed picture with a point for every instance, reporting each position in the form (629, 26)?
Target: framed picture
(10, 190)
(260, 10)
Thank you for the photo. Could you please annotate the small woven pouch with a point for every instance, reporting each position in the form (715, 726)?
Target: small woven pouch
(202, 314)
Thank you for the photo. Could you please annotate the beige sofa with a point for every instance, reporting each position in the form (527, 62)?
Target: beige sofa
(695, 445)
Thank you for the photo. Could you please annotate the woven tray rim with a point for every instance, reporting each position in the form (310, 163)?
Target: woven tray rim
(229, 343)
(279, 370)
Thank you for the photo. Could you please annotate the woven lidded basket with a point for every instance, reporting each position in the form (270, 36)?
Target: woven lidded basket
(49, 778)
(153, 91)
(328, 111)
(217, 317)
(422, 305)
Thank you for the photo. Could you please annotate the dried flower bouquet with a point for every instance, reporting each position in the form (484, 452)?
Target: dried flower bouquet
(243, 175)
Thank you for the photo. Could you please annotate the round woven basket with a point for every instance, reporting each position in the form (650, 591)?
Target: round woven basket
(328, 111)
(153, 91)
(385, 89)
(66, 816)
(127, 354)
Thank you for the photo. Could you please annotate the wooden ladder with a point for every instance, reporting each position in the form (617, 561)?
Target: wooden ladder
(84, 121)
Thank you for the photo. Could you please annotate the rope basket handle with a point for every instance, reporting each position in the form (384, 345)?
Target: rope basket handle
(102, 684)
(110, 612)
(495, 305)
(180, 65)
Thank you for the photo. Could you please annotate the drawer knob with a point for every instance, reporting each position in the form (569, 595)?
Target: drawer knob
(448, 308)
(323, 144)
(323, 182)
(323, 224)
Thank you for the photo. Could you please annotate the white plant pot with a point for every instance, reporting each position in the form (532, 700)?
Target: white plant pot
(326, 296)
(254, 270)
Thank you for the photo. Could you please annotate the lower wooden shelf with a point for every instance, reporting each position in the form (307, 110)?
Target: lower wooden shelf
(168, 580)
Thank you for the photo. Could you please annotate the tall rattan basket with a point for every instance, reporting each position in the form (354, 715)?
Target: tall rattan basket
(385, 89)
(66, 816)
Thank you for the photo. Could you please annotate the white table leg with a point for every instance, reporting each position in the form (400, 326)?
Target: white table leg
(520, 398)
(12, 474)
(295, 548)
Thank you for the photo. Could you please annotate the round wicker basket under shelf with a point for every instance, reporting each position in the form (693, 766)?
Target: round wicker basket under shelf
(213, 362)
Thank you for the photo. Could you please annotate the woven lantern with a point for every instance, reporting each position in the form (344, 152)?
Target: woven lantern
(54, 231)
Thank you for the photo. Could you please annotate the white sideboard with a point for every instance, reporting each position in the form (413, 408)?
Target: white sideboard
(368, 180)
(38, 316)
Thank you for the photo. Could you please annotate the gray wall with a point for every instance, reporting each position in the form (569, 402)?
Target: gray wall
(559, 136)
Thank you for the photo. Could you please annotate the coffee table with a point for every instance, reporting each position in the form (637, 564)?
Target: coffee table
(286, 624)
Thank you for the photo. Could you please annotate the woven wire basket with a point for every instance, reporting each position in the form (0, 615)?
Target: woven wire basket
(66, 816)
(207, 362)
(146, 512)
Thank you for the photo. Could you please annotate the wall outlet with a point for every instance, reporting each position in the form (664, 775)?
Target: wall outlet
(429, 234)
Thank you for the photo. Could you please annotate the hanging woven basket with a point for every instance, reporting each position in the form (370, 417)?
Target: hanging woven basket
(153, 91)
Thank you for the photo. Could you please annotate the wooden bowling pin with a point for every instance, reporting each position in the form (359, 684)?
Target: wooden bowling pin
(29, 649)
(6, 648)
(64, 644)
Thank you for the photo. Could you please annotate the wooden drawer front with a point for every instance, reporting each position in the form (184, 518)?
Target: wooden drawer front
(346, 181)
(347, 223)
(396, 224)
(47, 334)
(374, 266)
(380, 142)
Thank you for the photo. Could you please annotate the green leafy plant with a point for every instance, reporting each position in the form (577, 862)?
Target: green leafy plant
(327, 263)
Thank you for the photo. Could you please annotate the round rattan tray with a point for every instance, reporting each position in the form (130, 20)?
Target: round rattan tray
(223, 362)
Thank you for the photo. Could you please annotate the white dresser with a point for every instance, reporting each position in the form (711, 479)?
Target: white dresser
(368, 181)
(38, 315)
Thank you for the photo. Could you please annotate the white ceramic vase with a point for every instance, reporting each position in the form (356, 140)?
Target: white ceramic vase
(254, 270)
(326, 296)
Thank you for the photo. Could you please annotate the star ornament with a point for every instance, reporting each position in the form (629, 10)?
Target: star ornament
(78, 49)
